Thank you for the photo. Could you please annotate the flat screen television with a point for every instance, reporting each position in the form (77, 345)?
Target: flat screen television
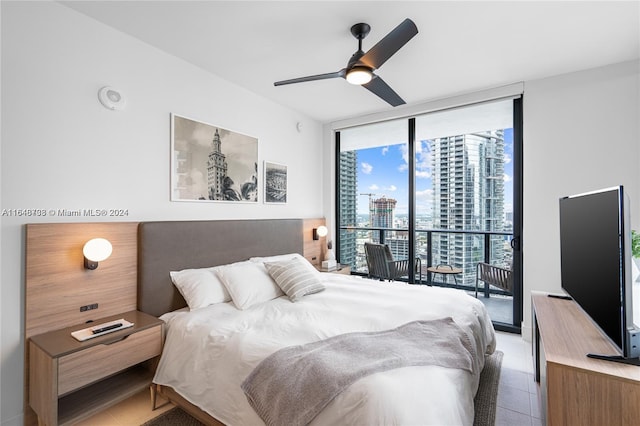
(595, 250)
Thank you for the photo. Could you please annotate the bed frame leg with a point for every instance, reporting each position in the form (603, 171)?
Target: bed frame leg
(154, 394)
(154, 389)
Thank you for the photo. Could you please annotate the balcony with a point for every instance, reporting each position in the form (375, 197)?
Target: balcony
(462, 249)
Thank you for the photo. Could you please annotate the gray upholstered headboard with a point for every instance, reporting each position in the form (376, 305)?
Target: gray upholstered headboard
(172, 246)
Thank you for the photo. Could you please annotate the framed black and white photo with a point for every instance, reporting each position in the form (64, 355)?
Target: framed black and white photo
(211, 163)
(275, 183)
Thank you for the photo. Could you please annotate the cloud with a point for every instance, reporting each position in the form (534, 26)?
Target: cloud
(366, 168)
(507, 158)
(404, 166)
(404, 152)
(391, 188)
(385, 150)
(425, 195)
(423, 159)
(373, 187)
(507, 178)
(424, 201)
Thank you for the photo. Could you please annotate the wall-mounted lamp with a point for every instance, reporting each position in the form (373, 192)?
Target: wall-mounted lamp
(95, 251)
(320, 231)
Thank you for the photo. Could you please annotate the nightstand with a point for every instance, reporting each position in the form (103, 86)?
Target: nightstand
(71, 380)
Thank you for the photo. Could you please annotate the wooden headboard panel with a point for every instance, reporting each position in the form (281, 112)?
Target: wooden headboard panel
(175, 245)
(57, 284)
(143, 254)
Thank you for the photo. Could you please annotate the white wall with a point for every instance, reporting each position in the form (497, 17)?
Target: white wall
(581, 133)
(62, 150)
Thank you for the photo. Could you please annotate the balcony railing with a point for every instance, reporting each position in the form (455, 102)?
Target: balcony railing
(459, 248)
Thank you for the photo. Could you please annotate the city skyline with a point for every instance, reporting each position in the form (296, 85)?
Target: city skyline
(383, 171)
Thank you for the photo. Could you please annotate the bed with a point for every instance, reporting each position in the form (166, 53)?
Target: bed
(216, 340)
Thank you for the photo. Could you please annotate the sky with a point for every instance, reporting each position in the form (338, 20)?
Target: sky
(383, 171)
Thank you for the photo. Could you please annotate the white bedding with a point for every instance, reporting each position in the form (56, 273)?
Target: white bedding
(210, 351)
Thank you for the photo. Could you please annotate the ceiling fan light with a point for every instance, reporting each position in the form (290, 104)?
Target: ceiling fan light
(359, 75)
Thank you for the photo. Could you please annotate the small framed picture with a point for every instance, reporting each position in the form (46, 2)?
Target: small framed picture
(275, 183)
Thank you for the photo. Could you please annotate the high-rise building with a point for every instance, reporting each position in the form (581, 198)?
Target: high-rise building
(348, 210)
(468, 183)
(399, 247)
(216, 169)
(381, 212)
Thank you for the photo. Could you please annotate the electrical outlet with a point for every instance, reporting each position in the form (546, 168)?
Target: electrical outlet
(88, 307)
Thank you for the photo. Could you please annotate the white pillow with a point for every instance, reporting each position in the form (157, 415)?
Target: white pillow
(248, 283)
(200, 287)
(289, 256)
(294, 278)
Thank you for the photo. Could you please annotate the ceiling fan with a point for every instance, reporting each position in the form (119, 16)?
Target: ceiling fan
(360, 68)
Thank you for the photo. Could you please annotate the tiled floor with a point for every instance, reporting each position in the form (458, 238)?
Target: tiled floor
(517, 394)
(518, 401)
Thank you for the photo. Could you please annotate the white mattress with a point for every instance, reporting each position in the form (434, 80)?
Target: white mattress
(210, 351)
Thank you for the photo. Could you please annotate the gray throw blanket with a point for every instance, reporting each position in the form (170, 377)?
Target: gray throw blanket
(291, 386)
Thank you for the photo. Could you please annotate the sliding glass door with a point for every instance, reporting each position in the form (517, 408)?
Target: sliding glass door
(443, 186)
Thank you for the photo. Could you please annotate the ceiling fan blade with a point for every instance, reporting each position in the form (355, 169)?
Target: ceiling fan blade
(378, 87)
(390, 44)
(311, 78)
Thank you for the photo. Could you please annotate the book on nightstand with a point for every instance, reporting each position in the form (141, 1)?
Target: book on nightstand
(335, 268)
(329, 265)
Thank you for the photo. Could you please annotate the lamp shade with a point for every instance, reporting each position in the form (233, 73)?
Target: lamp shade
(322, 231)
(97, 249)
(359, 75)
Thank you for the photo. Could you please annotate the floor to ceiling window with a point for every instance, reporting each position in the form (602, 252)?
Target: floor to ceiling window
(374, 190)
(442, 186)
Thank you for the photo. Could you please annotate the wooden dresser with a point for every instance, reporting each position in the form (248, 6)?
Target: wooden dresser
(577, 390)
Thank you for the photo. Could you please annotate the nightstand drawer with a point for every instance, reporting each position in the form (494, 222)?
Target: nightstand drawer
(84, 367)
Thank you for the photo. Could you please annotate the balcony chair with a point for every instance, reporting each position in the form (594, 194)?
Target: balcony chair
(382, 266)
(494, 275)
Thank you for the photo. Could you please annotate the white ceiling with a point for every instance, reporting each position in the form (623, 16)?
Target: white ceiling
(461, 47)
